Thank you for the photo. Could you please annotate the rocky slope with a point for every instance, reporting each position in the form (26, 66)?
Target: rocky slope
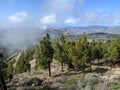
(67, 80)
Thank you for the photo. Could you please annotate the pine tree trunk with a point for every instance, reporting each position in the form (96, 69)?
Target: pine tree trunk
(62, 65)
(119, 62)
(2, 80)
(111, 65)
(83, 68)
(90, 65)
(98, 62)
(49, 68)
(106, 62)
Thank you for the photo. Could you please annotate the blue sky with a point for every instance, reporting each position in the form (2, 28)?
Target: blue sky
(102, 5)
(43, 13)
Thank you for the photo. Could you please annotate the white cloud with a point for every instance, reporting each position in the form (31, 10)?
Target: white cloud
(63, 9)
(99, 18)
(71, 21)
(48, 19)
(91, 17)
(58, 7)
(116, 17)
(57, 13)
(18, 17)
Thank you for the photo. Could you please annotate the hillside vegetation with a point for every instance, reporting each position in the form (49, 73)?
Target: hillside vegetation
(77, 56)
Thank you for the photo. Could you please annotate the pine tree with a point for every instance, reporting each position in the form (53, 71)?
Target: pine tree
(105, 50)
(112, 53)
(98, 51)
(44, 54)
(22, 65)
(2, 80)
(60, 50)
(83, 51)
(10, 70)
(91, 52)
(118, 48)
(37, 56)
(73, 56)
(78, 52)
(64, 53)
(70, 47)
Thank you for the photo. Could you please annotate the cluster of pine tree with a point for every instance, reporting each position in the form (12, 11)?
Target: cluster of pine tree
(76, 54)
(7, 70)
(79, 54)
(22, 65)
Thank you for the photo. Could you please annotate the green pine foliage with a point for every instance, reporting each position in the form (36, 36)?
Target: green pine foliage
(60, 52)
(112, 53)
(77, 54)
(2, 71)
(22, 65)
(44, 54)
(70, 49)
(10, 72)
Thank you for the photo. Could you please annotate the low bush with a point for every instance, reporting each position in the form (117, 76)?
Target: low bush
(115, 85)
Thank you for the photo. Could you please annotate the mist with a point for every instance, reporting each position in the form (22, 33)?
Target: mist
(17, 39)
(22, 30)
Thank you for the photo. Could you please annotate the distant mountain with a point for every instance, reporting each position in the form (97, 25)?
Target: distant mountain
(56, 32)
(15, 39)
(93, 29)
(94, 36)
(81, 30)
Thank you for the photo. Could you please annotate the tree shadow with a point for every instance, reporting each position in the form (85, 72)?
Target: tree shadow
(100, 70)
(68, 73)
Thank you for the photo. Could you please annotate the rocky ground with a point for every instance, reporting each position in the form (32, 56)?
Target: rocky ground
(67, 80)
(89, 81)
(101, 78)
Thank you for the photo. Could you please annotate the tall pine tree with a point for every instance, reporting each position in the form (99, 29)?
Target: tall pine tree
(44, 54)
(60, 50)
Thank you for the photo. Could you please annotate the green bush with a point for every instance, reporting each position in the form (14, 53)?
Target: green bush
(30, 81)
(70, 84)
(45, 88)
(115, 85)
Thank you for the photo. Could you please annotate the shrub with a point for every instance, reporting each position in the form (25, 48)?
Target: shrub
(70, 84)
(29, 82)
(115, 85)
